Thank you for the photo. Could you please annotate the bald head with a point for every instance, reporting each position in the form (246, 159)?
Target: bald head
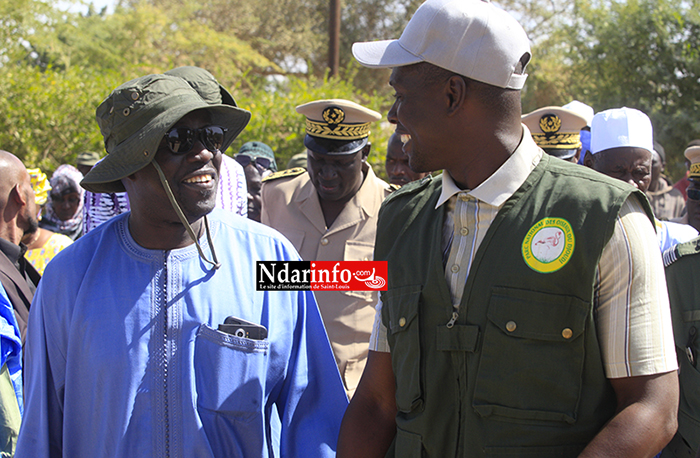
(12, 172)
(17, 206)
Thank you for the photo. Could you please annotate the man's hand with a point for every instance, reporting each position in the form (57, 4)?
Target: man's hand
(646, 418)
(369, 424)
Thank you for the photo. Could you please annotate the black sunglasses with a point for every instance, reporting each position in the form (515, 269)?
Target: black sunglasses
(181, 140)
(693, 194)
(261, 162)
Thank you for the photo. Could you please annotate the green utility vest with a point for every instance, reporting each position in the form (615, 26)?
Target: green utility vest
(683, 279)
(520, 373)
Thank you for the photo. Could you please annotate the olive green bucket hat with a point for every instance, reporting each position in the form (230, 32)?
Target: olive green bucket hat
(136, 116)
(205, 84)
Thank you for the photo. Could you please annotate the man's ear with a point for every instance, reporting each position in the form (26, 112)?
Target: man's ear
(365, 151)
(17, 196)
(456, 91)
(588, 160)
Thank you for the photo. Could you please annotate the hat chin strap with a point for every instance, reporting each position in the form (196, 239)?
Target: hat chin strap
(216, 264)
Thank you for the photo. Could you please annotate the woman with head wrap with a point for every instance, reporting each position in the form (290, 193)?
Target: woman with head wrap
(64, 210)
(42, 244)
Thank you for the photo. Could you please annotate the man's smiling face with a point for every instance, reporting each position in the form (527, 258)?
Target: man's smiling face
(192, 176)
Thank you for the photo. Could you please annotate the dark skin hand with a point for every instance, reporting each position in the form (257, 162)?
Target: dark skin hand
(369, 424)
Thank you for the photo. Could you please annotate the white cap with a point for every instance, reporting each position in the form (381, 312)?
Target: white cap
(620, 127)
(582, 109)
(470, 37)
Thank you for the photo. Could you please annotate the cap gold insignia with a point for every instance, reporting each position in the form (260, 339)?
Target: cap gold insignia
(333, 128)
(333, 116)
(552, 138)
(550, 123)
(695, 170)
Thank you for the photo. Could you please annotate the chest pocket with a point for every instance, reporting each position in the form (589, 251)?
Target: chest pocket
(230, 379)
(403, 332)
(359, 251)
(531, 337)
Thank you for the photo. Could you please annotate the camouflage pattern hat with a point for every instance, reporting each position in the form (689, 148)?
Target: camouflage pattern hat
(136, 116)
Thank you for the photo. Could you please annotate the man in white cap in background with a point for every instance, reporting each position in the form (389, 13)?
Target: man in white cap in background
(512, 326)
(329, 213)
(147, 337)
(557, 131)
(621, 147)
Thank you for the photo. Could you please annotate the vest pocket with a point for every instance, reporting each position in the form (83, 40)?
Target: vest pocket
(408, 445)
(532, 357)
(401, 308)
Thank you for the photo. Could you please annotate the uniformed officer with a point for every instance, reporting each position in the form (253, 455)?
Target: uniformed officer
(330, 213)
(557, 131)
(692, 205)
(682, 271)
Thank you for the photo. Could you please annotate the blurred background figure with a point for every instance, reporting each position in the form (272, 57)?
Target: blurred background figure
(692, 205)
(557, 131)
(397, 168)
(587, 113)
(298, 160)
(682, 184)
(258, 161)
(19, 217)
(64, 209)
(43, 244)
(666, 201)
(86, 160)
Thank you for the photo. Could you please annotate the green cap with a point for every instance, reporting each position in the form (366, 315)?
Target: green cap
(88, 158)
(259, 149)
(136, 116)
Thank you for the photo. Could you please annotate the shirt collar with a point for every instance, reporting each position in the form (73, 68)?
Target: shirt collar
(498, 188)
(12, 251)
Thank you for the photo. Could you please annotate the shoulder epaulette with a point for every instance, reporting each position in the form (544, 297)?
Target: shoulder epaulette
(285, 173)
(676, 252)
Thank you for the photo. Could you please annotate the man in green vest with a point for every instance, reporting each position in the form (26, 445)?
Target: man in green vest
(527, 312)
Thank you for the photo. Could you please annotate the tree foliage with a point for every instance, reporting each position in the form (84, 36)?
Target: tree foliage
(56, 66)
(642, 54)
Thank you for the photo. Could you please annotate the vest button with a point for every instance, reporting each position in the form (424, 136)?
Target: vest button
(324, 242)
(402, 322)
(510, 326)
(464, 231)
(567, 333)
(454, 268)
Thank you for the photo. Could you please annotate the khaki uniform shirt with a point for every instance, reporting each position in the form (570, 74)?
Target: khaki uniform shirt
(291, 205)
